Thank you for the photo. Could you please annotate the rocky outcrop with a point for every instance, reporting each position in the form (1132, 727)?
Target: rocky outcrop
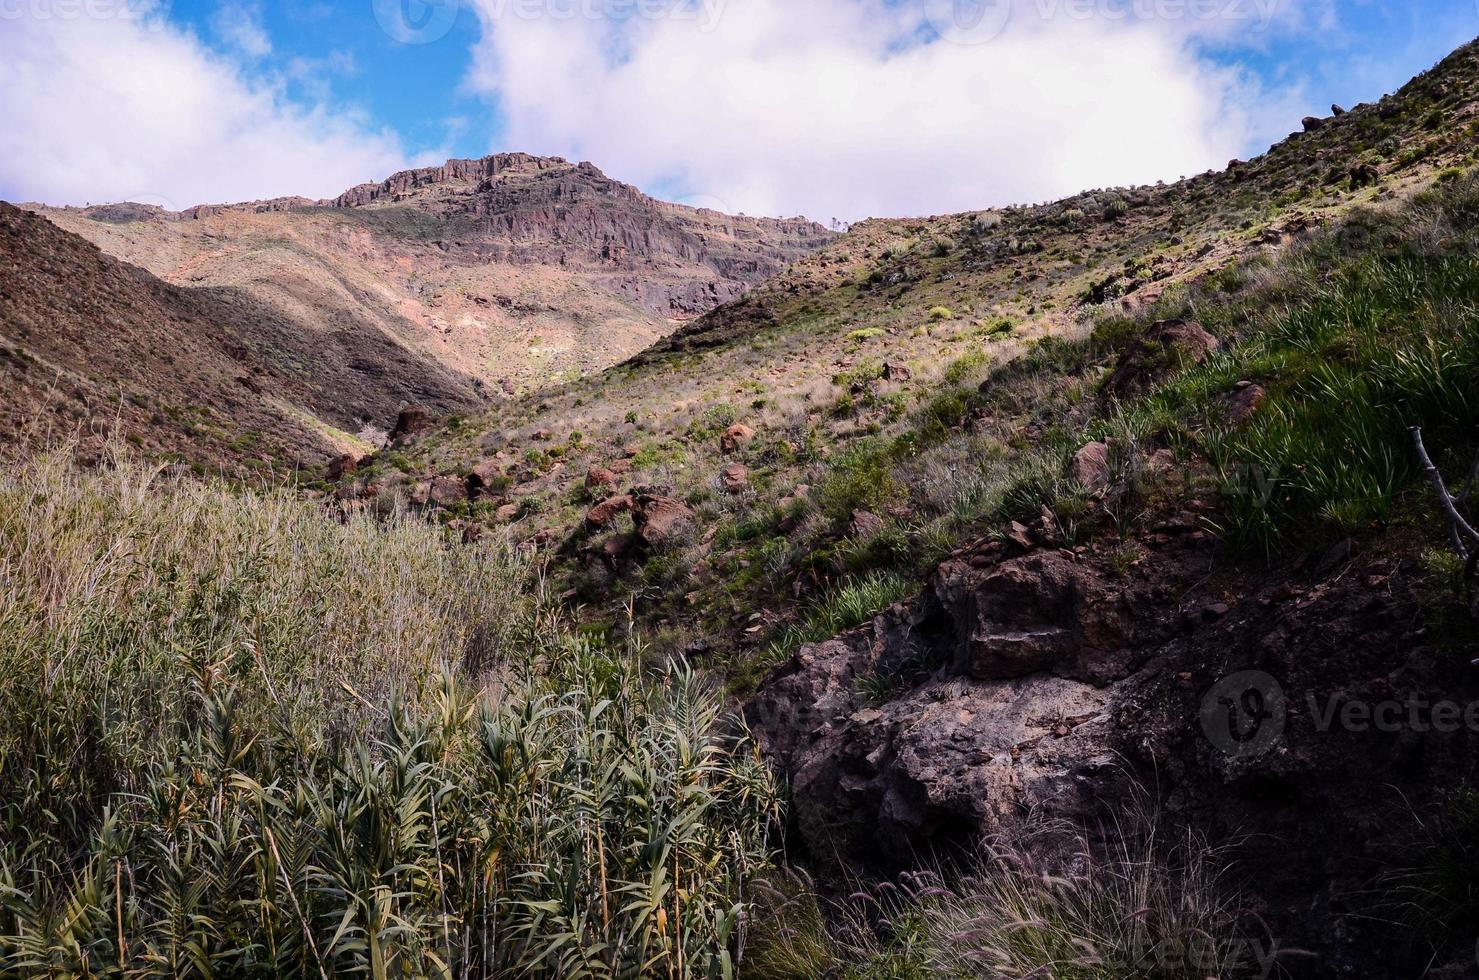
(659, 520)
(520, 209)
(1164, 347)
(1026, 687)
(411, 422)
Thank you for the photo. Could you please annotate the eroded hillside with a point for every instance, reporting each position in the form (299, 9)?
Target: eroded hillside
(513, 270)
(838, 415)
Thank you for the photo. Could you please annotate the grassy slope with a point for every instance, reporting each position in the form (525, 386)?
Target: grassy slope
(955, 300)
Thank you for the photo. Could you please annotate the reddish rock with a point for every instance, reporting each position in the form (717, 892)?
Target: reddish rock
(1018, 535)
(864, 525)
(447, 490)
(621, 467)
(735, 478)
(484, 476)
(1161, 462)
(343, 466)
(1242, 403)
(1089, 467)
(1312, 124)
(599, 477)
(736, 437)
(506, 514)
(894, 371)
(660, 519)
(410, 423)
(606, 511)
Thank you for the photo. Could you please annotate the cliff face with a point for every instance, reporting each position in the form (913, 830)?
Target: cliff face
(669, 259)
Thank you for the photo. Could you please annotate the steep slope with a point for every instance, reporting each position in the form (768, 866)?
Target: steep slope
(514, 270)
(873, 337)
(95, 347)
(989, 517)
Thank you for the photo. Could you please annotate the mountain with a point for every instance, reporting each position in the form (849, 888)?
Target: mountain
(1098, 578)
(513, 270)
(311, 323)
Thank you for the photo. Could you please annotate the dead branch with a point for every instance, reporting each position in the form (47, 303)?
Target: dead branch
(1461, 533)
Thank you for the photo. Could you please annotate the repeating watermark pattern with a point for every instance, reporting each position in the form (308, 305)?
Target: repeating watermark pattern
(416, 21)
(150, 13)
(968, 21)
(980, 21)
(425, 21)
(1245, 714)
(1209, 956)
(1253, 483)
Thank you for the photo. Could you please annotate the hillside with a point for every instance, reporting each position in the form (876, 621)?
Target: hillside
(1083, 590)
(96, 348)
(882, 336)
(512, 271)
(975, 511)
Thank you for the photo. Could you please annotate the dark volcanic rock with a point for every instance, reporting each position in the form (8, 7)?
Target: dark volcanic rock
(1165, 346)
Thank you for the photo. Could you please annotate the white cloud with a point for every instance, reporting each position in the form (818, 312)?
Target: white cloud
(852, 108)
(239, 26)
(108, 108)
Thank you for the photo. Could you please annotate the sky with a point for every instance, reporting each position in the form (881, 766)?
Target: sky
(832, 109)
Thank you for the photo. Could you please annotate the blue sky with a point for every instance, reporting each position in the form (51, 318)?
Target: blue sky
(831, 108)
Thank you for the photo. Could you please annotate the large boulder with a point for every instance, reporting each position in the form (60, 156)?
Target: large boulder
(1165, 347)
(1044, 611)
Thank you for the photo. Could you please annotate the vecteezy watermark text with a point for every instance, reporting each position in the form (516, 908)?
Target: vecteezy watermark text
(1246, 714)
(149, 11)
(980, 21)
(425, 21)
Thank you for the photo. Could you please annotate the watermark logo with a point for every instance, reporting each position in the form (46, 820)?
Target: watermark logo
(969, 22)
(1252, 483)
(980, 21)
(1244, 715)
(416, 21)
(150, 13)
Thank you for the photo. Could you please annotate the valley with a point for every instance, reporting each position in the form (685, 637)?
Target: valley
(495, 571)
